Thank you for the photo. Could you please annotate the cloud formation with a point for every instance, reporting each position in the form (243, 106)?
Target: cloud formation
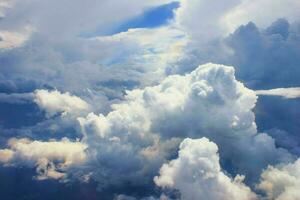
(130, 143)
(282, 182)
(54, 102)
(197, 174)
(264, 57)
(132, 98)
(288, 93)
(145, 129)
(51, 159)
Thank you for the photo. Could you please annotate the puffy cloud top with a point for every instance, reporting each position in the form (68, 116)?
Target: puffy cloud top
(282, 182)
(147, 126)
(54, 102)
(196, 173)
(126, 136)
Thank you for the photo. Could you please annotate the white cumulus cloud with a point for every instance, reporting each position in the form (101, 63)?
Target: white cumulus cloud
(51, 159)
(197, 174)
(282, 182)
(143, 131)
(54, 102)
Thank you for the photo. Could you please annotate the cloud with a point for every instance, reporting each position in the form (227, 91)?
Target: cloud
(288, 93)
(136, 56)
(126, 197)
(54, 102)
(258, 55)
(10, 39)
(70, 21)
(266, 11)
(197, 174)
(51, 53)
(141, 132)
(51, 159)
(205, 20)
(281, 182)
(208, 14)
(6, 155)
(272, 48)
(88, 88)
(286, 140)
(5, 4)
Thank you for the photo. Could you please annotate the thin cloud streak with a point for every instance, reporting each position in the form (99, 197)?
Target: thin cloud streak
(287, 93)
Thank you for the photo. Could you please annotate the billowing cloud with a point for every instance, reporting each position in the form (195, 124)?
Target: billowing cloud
(132, 97)
(288, 93)
(197, 174)
(54, 102)
(131, 142)
(51, 158)
(264, 58)
(258, 54)
(281, 182)
(144, 130)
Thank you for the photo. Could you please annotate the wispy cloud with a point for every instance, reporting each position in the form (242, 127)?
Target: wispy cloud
(288, 93)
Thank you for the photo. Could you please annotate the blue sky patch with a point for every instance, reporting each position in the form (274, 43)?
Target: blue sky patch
(151, 18)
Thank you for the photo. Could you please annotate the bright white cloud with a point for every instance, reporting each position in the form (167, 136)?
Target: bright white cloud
(145, 129)
(140, 133)
(197, 174)
(51, 159)
(289, 93)
(201, 18)
(54, 102)
(130, 142)
(282, 182)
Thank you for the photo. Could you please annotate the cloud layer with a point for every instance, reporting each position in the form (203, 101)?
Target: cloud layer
(108, 111)
(130, 143)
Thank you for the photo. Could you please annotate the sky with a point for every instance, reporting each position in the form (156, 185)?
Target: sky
(150, 100)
